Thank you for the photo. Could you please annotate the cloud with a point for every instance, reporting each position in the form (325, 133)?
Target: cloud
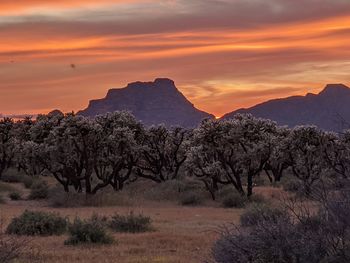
(222, 54)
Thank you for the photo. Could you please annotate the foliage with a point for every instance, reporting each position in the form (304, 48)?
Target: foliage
(256, 213)
(15, 196)
(230, 151)
(39, 190)
(90, 231)
(37, 223)
(163, 153)
(10, 247)
(191, 198)
(130, 223)
(234, 199)
(294, 234)
(7, 142)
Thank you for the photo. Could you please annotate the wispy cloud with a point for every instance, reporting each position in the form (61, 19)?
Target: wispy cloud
(223, 54)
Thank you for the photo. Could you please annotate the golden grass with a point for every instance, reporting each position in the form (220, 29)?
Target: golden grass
(183, 234)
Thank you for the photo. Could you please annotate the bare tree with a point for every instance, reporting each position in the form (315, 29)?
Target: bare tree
(163, 153)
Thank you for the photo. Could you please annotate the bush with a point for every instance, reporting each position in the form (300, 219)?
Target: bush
(130, 223)
(256, 213)
(90, 231)
(234, 199)
(28, 181)
(296, 234)
(191, 198)
(10, 247)
(291, 184)
(16, 177)
(15, 196)
(59, 198)
(2, 200)
(6, 187)
(257, 198)
(39, 190)
(36, 223)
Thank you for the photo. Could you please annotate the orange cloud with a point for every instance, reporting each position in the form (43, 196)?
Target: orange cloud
(219, 67)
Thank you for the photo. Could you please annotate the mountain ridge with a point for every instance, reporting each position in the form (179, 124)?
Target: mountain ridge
(329, 109)
(151, 102)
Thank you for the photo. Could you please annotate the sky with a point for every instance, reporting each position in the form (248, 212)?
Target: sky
(222, 54)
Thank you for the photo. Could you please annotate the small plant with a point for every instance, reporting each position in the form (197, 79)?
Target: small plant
(90, 231)
(191, 198)
(15, 177)
(130, 223)
(28, 181)
(234, 200)
(260, 212)
(10, 247)
(4, 187)
(291, 184)
(36, 223)
(257, 198)
(15, 196)
(39, 190)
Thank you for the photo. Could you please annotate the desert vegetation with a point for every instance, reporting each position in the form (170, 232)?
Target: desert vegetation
(66, 160)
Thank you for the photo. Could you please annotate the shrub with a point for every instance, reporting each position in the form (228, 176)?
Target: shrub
(28, 181)
(2, 200)
(15, 196)
(296, 234)
(36, 223)
(90, 231)
(256, 213)
(6, 187)
(257, 198)
(39, 190)
(130, 223)
(10, 247)
(234, 199)
(291, 184)
(59, 198)
(16, 177)
(12, 178)
(191, 198)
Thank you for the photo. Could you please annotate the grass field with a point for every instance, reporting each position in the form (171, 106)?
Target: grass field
(182, 234)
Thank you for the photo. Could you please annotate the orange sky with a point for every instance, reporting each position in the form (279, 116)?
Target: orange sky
(222, 54)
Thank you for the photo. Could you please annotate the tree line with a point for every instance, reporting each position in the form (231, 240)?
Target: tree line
(113, 150)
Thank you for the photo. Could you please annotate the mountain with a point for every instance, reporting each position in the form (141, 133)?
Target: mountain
(329, 109)
(150, 102)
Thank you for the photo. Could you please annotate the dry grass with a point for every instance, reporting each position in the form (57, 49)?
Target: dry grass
(183, 234)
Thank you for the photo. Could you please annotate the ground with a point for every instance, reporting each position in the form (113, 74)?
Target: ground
(182, 234)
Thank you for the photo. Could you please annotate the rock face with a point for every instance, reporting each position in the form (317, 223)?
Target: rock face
(158, 102)
(329, 110)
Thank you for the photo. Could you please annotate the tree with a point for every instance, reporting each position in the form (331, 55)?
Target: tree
(277, 164)
(163, 153)
(68, 148)
(337, 153)
(7, 143)
(306, 156)
(119, 149)
(228, 151)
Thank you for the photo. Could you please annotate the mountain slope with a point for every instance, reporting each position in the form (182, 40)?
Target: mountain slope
(329, 110)
(151, 102)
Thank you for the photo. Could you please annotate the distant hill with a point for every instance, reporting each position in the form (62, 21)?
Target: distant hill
(150, 102)
(329, 110)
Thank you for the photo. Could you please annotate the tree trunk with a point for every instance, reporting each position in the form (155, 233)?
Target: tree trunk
(250, 185)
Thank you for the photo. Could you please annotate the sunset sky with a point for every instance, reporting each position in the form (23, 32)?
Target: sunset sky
(222, 54)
